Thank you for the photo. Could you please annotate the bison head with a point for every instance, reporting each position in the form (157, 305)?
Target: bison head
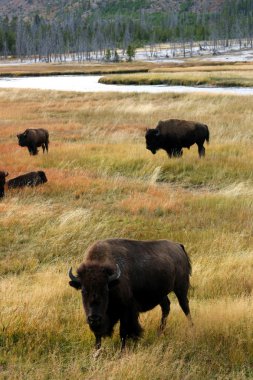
(2, 177)
(152, 140)
(22, 138)
(42, 176)
(95, 283)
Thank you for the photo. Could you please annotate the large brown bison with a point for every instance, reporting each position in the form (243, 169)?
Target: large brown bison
(173, 135)
(29, 179)
(121, 278)
(34, 138)
(3, 175)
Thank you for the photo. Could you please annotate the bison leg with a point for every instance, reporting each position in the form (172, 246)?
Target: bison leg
(129, 327)
(43, 147)
(165, 306)
(177, 152)
(98, 342)
(33, 150)
(169, 152)
(201, 150)
(46, 145)
(184, 303)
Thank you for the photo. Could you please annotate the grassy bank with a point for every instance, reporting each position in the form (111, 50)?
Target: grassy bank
(196, 75)
(102, 182)
(46, 69)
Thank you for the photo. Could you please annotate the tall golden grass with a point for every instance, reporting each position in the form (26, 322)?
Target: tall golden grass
(102, 182)
(45, 69)
(227, 78)
(189, 73)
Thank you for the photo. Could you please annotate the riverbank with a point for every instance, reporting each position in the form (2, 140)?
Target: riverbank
(241, 76)
(195, 73)
(46, 69)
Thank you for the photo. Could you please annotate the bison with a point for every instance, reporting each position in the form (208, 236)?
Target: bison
(121, 278)
(3, 175)
(173, 135)
(29, 179)
(33, 138)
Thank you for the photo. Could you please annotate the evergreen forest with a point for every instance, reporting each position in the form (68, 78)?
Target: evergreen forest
(119, 25)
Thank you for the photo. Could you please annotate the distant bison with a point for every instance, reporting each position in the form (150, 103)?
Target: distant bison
(173, 135)
(3, 175)
(121, 278)
(34, 138)
(29, 179)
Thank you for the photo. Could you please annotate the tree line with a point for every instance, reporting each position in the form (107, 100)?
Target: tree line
(99, 35)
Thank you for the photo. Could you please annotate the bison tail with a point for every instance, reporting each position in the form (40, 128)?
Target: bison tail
(207, 134)
(188, 259)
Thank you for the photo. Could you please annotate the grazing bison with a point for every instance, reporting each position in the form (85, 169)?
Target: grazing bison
(121, 278)
(33, 138)
(3, 175)
(173, 135)
(28, 179)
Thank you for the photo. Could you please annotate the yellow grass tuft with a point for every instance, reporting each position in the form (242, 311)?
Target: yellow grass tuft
(154, 200)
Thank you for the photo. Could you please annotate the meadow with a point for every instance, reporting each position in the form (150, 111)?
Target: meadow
(192, 73)
(102, 182)
(45, 69)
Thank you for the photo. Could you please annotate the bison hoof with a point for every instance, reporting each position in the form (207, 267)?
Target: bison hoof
(97, 353)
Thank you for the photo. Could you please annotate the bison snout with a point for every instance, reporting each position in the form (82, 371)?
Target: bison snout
(94, 320)
(152, 150)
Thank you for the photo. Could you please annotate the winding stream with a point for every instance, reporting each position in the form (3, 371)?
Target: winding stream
(90, 83)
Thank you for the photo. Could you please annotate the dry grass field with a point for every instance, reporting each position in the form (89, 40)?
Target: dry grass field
(45, 69)
(103, 183)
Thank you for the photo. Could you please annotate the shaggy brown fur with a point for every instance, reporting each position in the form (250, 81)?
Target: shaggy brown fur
(28, 179)
(147, 271)
(34, 138)
(173, 135)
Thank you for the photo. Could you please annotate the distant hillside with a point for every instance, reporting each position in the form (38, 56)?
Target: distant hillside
(54, 8)
(85, 27)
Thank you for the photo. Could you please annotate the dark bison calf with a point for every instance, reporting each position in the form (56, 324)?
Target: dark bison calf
(173, 135)
(34, 138)
(3, 175)
(28, 179)
(121, 278)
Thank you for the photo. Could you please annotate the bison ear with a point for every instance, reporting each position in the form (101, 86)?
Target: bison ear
(75, 285)
(114, 276)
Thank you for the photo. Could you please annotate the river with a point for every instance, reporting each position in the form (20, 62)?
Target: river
(89, 83)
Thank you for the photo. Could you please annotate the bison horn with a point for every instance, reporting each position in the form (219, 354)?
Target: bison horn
(115, 275)
(6, 174)
(72, 277)
(157, 132)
